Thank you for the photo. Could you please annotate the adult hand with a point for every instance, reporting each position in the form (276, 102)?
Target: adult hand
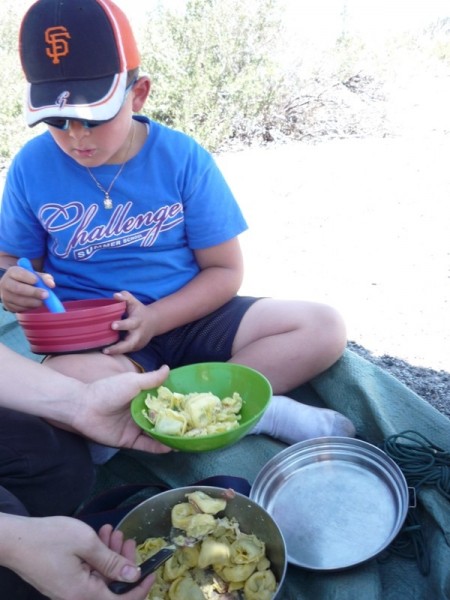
(64, 558)
(104, 414)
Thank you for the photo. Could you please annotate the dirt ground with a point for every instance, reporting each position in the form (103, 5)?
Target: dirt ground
(361, 224)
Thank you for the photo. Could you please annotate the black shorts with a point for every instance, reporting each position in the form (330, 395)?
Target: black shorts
(209, 339)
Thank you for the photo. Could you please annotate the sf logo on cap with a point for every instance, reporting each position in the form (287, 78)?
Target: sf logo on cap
(56, 38)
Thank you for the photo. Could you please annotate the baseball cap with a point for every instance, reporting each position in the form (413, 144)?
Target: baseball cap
(75, 55)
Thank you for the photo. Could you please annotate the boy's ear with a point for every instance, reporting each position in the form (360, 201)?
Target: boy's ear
(141, 91)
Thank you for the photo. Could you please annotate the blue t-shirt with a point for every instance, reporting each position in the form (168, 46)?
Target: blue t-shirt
(169, 200)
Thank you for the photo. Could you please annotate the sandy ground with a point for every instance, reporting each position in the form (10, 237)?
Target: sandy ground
(362, 224)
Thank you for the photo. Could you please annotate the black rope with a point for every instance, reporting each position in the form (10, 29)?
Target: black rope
(423, 465)
(410, 543)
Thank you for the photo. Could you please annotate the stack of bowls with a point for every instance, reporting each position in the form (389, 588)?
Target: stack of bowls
(85, 325)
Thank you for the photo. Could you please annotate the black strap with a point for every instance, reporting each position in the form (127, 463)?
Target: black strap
(238, 484)
(111, 505)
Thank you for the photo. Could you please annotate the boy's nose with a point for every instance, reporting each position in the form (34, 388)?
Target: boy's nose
(76, 129)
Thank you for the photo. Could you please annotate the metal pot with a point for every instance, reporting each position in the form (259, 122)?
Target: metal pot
(152, 518)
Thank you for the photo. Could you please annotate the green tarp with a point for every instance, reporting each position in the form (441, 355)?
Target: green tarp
(380, 406)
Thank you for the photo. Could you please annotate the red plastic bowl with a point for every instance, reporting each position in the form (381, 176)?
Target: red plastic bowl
(85, 325)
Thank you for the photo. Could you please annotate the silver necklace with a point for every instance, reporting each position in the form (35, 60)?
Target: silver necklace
(107, 200)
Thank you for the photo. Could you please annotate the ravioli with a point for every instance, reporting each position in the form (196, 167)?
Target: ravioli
(192, 415)
(224, 564)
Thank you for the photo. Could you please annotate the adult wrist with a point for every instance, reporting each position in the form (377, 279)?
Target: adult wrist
(12, 538)
(63, 405)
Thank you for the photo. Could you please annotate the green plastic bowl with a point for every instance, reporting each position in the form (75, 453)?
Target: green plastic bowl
(221, 379)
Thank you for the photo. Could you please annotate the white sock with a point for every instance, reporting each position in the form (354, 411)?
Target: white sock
(290, 421)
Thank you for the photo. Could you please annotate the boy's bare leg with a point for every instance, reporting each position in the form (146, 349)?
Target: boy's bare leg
(289, 341)
(292, 342)
(90, 366)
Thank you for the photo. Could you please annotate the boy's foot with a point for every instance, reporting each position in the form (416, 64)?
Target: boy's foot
(290, 421)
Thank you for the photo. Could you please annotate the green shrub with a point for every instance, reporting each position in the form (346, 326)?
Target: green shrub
(232, 72)
(13, 132)
(211, 66)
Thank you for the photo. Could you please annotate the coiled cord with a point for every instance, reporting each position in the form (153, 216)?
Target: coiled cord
(422, 464)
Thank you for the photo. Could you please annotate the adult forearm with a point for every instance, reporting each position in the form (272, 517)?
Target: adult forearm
(30, 387)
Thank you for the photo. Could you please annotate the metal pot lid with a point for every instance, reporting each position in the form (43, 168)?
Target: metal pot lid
(338, 501)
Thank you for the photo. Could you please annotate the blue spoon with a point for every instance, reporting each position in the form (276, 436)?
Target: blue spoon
(53, 303)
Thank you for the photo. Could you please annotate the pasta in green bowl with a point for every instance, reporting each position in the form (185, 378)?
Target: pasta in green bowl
(204, 406)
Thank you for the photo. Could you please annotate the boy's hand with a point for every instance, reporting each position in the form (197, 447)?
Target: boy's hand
(18, 292)
(138, 325)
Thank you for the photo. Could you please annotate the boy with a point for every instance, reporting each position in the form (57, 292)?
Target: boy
(111, 203)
